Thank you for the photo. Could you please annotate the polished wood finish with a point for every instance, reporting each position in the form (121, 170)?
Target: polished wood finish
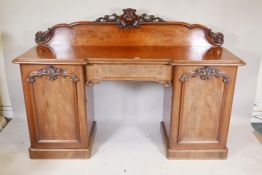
(198, 74)
(103, 34)
(200, 113)
(190, 153)
(63, 54)
(154, 31)
(65, 153)
(56, 110)
(96, 73)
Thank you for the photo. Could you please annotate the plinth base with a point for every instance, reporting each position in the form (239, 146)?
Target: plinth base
(38, 153)
(191, 154)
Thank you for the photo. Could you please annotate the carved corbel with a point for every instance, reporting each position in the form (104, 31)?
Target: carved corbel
(92, 82)
(165, 83)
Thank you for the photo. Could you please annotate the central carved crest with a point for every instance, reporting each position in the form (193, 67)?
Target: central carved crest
(129, 19)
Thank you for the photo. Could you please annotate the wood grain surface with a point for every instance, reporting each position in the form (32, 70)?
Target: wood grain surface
(187, 59)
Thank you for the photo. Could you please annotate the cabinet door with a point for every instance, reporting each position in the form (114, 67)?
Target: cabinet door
(55, 103)
(201, 106)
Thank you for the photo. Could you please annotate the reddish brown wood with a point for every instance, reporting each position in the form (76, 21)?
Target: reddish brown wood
(56, 110)
(155, 34)
(152, 32)
(129, 19)
(63, 54)
(198, 76)
(200, 115)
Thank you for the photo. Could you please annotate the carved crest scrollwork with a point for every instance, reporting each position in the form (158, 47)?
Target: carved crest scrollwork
(108, 18)
(43, 37)
(129, 19)
(150, 18)
(215, 38)
(205, 73)
(52, 73)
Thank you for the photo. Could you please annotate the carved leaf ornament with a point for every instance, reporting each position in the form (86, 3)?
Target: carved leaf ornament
(52, 73)
(129, 19)
(205, 73)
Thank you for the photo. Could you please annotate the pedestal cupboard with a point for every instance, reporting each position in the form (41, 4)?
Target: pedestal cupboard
(59, 73)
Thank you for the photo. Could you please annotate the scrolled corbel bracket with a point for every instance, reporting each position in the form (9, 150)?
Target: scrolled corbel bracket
(165, 83)
(216, 39)
(52, 73)
(42, 37)
(93, 82)
(205, 72)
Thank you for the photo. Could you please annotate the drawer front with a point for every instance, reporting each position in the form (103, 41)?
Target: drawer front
(95, 73)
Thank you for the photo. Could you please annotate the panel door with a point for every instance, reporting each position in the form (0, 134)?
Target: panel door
(55, 100)
(202, 106)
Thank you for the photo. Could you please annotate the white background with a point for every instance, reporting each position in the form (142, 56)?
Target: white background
(4, 99)
(239, 20)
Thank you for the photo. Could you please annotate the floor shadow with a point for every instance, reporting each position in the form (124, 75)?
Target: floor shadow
(151, 131)
(105, 130)
(7, 121)
(257, 127)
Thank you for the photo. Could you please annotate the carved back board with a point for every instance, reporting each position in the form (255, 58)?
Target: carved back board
(130, 29)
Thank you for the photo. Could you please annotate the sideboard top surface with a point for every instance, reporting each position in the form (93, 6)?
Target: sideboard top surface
(64, 54)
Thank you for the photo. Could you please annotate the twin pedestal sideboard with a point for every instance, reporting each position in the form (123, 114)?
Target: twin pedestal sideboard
(59, 74)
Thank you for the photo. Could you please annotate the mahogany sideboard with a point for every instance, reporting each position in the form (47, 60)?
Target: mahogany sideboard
(59, 73)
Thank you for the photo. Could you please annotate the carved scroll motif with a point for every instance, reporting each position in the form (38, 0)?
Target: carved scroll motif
(43, 37)
(215, 38)
(52, 74)
(129, 19)
(150, 18)
(205, 73)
